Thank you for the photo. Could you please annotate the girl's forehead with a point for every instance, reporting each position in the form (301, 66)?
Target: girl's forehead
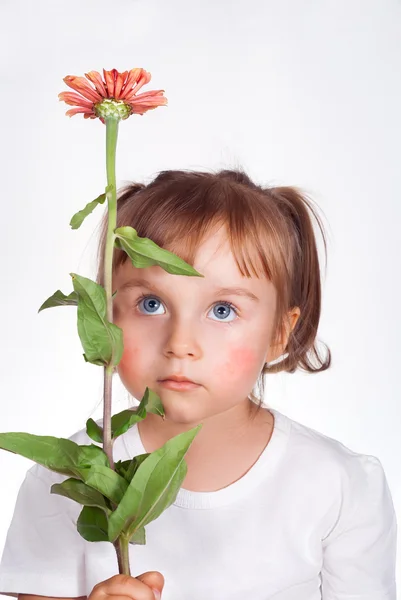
(213, 259)
(213, 254)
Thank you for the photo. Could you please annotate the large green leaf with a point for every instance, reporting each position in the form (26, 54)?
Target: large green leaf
(154, 487)
(92, 524)
(145, 253)
(124, 420)
(57, 454)
(106, 481)
(101, 340)
(60, 299)
(79, 217)
(80, 492)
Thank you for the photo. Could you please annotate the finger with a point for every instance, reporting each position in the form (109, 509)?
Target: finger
(123, 586)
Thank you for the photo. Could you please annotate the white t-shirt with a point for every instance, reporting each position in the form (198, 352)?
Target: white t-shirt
(310, 520)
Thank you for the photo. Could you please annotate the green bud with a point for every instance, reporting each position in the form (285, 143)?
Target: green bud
(114, 109)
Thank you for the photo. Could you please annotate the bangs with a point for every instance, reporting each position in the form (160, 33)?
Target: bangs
(180, 216)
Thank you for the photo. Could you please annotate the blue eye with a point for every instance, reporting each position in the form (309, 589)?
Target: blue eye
(151, 306)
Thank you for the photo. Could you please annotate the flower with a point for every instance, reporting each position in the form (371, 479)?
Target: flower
(114, 97)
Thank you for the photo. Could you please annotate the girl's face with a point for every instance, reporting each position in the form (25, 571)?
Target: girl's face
(183, 328)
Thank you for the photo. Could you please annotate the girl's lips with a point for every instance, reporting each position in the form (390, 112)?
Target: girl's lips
(179, 385)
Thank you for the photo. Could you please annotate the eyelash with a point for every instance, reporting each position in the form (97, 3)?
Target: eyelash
(224, 302)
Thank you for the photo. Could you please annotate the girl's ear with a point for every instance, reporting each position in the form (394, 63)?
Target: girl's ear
(278, 349)
(289, 324)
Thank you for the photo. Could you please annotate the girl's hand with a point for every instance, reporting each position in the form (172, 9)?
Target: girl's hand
(147, 586)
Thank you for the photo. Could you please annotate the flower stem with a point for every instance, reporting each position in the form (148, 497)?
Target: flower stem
(121, 544)
(111, 144)
(122, 550)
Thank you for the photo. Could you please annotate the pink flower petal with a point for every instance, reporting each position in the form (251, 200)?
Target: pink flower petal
(96, 79)
(147, 101)
(75, 99)
(133, 77)
(152, 99)
(109, 77)
(142, 78)
(79, 84)
(80, 109)
(121, 79)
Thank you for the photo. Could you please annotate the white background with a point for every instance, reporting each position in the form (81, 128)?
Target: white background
(299, 93)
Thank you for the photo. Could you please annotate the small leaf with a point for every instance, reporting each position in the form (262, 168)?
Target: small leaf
(128, 468)
(92, 524)
(153, 404)
(80, 492)
(94, 431)
(121, 467)
(154, 487)
(60, 299)
(138, 537)
(145, 253)
(57, 454)
(79, 217)
(134, 465)
(102, 341)
(124, 420)
(106, 481)
(121, 422)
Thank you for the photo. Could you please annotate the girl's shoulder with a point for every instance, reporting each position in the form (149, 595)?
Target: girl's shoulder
(306, 441)
(328, 461)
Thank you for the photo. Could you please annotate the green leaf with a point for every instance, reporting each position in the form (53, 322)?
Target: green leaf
(79, 217)
(124, 420)
(92, 524)
(121, 422)
(121, 467)
(94, 431)
(138, 537)
(152, 403)
(145, 253)
(106, 481)
(80, 492)
(134, 465)
(92, 455)
(57, 454)
(128, 468)
(60, 299)
(154, 487)
(102, 341)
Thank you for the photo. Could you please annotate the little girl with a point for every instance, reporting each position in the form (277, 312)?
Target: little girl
(270, 508)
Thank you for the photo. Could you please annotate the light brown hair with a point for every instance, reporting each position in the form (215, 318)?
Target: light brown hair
(270, 232)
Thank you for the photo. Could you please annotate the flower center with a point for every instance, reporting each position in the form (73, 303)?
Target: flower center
(114, 109)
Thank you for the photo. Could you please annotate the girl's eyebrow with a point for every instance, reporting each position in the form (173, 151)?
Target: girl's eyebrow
(142, 282)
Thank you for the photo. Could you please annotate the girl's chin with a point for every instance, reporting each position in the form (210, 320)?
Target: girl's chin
(181, 408)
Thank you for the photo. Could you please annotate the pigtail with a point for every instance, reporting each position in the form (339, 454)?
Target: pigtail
(305, 287)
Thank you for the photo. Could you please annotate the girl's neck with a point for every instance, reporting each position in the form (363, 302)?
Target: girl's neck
(222, 452)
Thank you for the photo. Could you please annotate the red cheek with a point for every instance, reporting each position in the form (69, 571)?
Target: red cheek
(240, 361)
(128, 359)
